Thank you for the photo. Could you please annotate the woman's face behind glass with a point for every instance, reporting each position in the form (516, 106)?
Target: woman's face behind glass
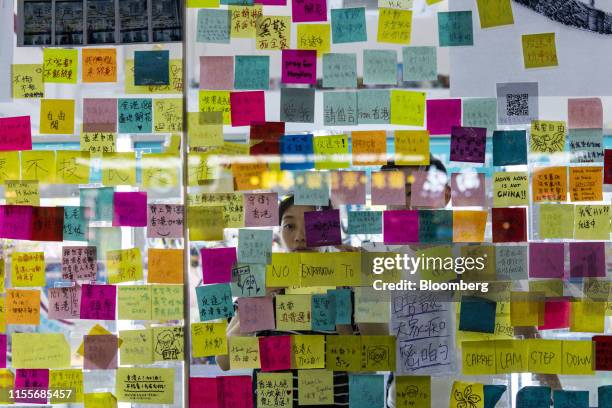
(293, 230)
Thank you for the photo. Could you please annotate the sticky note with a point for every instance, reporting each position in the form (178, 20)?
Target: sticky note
(22, 306)
(159, 383)
(60, 65)
(388, 188)
(348, 25)
(469, 226)
(495, 13)
(584, 113)
(368, 147)
(217, 264)
(216, 72)
(168, 343)
(413, 391)
(22, 192)
(315, 387)
(587, 259)
(293, 312)
(176, 80)
(511, 356)
(366, 390)
(206, 223)
(419, 64)
(297, 105)
(546, 260)
(165, 266)
(510, 189)
(15, 134)
(400, 226)
(509, 147)
(547, 136)
(124, 265)
(509, 224)
(40, 350)
(137, 347)
(28, 81)
(328, 148)
(130, 209)
(592, 222)
(578, 357)
(214, 302)
(348, 187)
(275, 353)
(252, 72)
(100, 352)
(517, 102)
(99, 115)
(208, 339)
(480, 112)
(468, 189)
(168, 115)
(316, 37)
(152, 67)
(247, 107)
(549, 184)
(378, 353)
(27, 269)
(274, 389)
(309, 10)
(308, 351)
(256, 314)
(373, 106)
(340, 109)
(99, 64)
(470, 394)
(134, 302)
(587, 316)
(69, 379)
(478, 357)
(166, 302)
(57, 116)
(394, 26)
(33, 379)
(411, 147)
(603, 345)
(443, 115)
(273, 32)
(98, 302)
(244, 352)
(428, 189)
(556, 314)
(118, 168)
(567, 399)
(243, 20)
(99, 201)
(467, 144)
(165, 220)
(213, 26)
(261, 209)
(545, 356)
(455, 28)
(539, 50)
(407, 108)
(339, 70)
(586, 183)
(299, 67)
(477, 314)
(135, 115)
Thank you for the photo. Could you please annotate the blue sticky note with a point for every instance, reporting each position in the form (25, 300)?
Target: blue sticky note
(252, 72)
(254, 246)
(348, 25)
(237, 2)
(297, 105)
(76, 224)
(135, 115)
(340, 108)
(343, 303)
(249, 280)
(339, 70)
(99, 201)
(152, 67)
(380, 67)
(364, 222)
(215, 301)
(296, 152)
(492, 394)
(477, 314)
(213, 26)
(570, 399)
(311, 188)
(455, 28)
(419, 64)
(480, 112)
(533, 397)
(586, 145)
(435, 226)
(509, 147)
(604, 396)
(366, 390)
(323, 313)
(373, 106)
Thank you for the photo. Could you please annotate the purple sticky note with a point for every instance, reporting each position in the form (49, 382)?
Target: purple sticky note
(216, 73)
(165, 221)
(130, 209)
(29, 381)
(261, 210)
(428, 189)
(65, 303)
(256, 314)
(322, 228)
(100, 115)
(100, 351)
(388, 188)
(468, 189)
(3, 350)
(587, 259)
(546, 260)
(400, 226)
(15, 133)
(556, 314)
(348, 187)
(217, 264)
(442, 115)
(98, 302)
(247, 107)
(304, 11)
(468, 144)
(299, 67)
(16, 221)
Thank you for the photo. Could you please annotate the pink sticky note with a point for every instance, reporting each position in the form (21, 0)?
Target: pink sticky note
(130, 209)
(216, 73)
(79, 263)
(65, 303)
(247, 107)
(15, 133)
(442, 115)
(348, 187)
(217, 264)
(100, 351)
(388, 188)
(165, 221)
(304, 11)
(98, 302)
(256, 314)
(100, 115)
(299, 67)
(556, 314)
(584, 113)
(468, 189)
(587, 259)
(546, 260)
(272, 2)
(16, 221)
(261, 209)
(428, 189)
(400, 226)
(275, 353)
(204, 392)
(30, 380)
(236, 391)
(322, 228)
(3, 350)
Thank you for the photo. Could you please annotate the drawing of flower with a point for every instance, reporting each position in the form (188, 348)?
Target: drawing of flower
(466, 399)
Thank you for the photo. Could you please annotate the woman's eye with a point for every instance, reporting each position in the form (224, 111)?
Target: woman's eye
(288, 226)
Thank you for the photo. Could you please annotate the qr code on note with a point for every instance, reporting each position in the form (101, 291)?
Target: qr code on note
(517, 104)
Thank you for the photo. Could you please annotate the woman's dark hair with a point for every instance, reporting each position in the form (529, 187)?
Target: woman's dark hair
(433, 162)
(289, 201)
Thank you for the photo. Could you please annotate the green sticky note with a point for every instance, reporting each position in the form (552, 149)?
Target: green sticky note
(373, 106)
(379, 67)
(340, 108)
(455, 28)
(252, 72)
(339, 70)
(556, 221)
(419, 64)
(213, 26)
(592, 222)
(480, 112)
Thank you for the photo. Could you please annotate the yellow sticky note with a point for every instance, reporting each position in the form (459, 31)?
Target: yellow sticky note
(208, 339)
(407, 108)
(478, 357)
(205, 129)
(165, 266)
(315, 387)
(545, 356)
(232, 204)
(66, 380)
(166, 302)
(437, 272)
(137, 347)
(206, 223)
(413, 391)
(243, 20)
(317, 269)
(494, 13)
(274, 390)
(57, 116)
(273, 32)
(308, 351)
(394, 26)
(99, 64)
(578, 357)
(549, 287)
(40, 350)
(511, 356)
(7, 380)
(28, 269)
(202, 3)
(347, 268)
(119, 169)
(377, 353)
(24, 192)
(510, 188)
(248, 176)
(158, 384)
(314, 37)
(97, 330)
(38, 165)
(587, 316)
(167, 115)
(159, 170)
(175, 86)
(293, 312)
(97, 143)
(244, 352)
(60, 65)
(9, 166)
(72, 167)
(331, 152)
(343, 353)
(411, 147)
(547, 136)
(215, 101)
(467, 394)
(124, 265)
(28, 81)
(469, 226)
(556, 221)
(174, 144)
(284, 270)
(168, 343)
(527, 309)
(2, 285)
(201, 169)
(592, 222)
(100, 400)
(539, 50)
(134, 302)
(586, 183)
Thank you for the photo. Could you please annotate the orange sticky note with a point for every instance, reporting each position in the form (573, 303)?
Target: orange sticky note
(369, 147)
(99, 65)
(165, 266)
(586, 183)
(248, 176)
(22, 306)
(469, 226)
(549, 184)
